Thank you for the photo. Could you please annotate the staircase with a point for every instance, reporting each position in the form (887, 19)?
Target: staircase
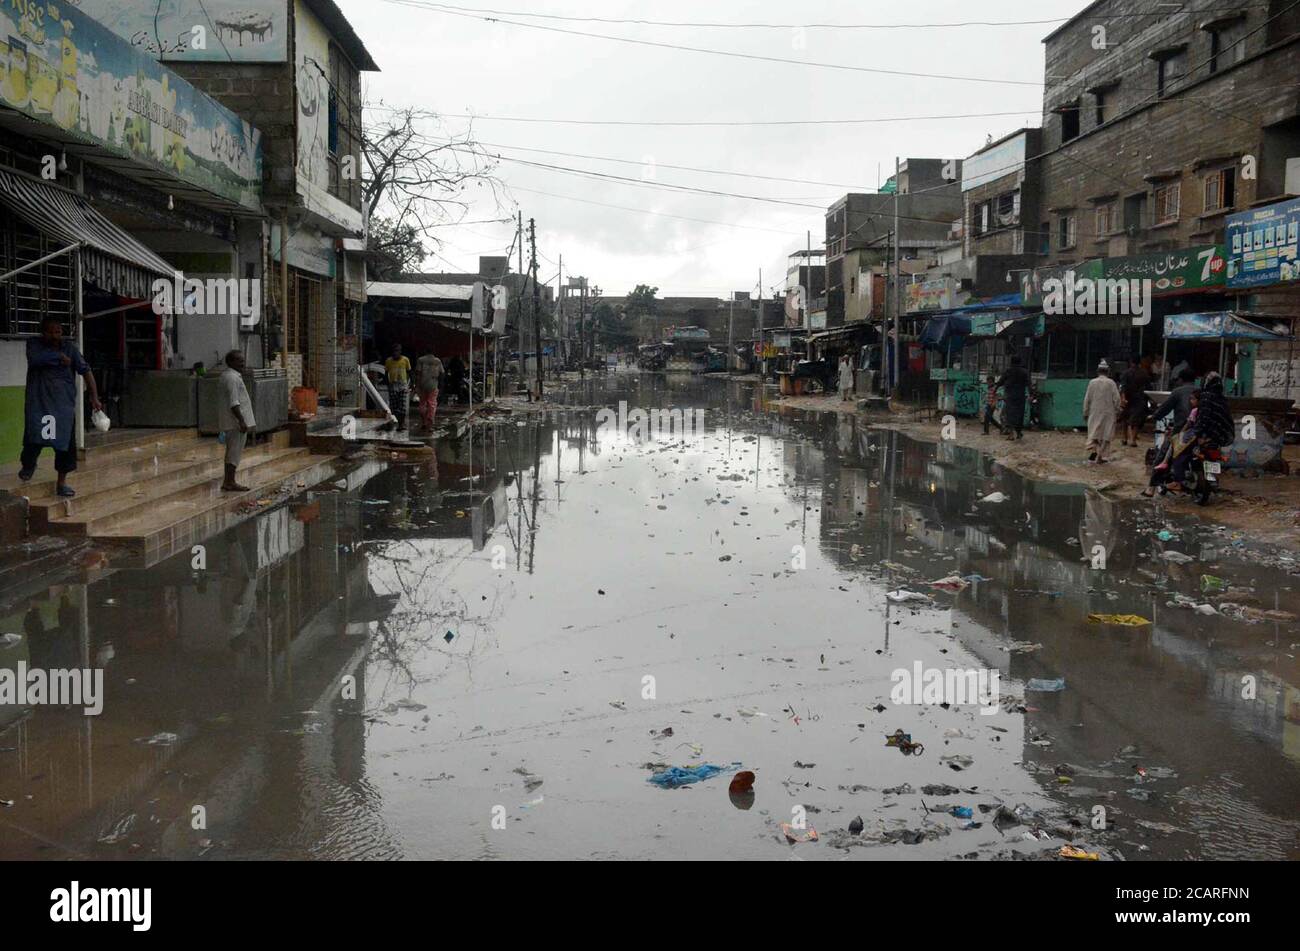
(158, 492)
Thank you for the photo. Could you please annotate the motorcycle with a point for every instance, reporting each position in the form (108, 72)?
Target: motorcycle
(1203, 474)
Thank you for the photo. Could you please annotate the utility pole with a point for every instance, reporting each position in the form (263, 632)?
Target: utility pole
(898, 279)
(561, 328)
(537, 306)
(582, 330)
(731, 334)
(762, 357)
(519, 315)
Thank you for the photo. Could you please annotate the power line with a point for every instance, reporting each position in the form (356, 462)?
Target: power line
(433, 8)
(656, 214)
(699, 24)
(1037, 110)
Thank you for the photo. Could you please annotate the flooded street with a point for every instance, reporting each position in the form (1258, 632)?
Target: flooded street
(487, 655)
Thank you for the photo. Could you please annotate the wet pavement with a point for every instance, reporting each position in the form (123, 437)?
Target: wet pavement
(487, 655)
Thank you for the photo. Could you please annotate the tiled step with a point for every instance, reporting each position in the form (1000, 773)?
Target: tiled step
(108, 465)
(175, 524)
(108, 510)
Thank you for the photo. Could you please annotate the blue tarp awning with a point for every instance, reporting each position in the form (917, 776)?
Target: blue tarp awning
(946, 332)
(1222, 325)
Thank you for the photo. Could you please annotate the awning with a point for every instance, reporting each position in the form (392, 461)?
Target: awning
(111, 258)
(847, 332)
(1223, 325)
(948, 332)
(463, 292)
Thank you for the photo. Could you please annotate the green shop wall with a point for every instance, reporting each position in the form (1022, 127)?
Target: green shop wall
(1063, 407)
(11, 423)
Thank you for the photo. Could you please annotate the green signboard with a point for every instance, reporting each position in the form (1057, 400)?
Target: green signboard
(1172, 272)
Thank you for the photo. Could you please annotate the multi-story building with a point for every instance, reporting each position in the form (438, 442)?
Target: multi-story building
(115, 173)
(292, 68)
(1158, 124)
(860, 228)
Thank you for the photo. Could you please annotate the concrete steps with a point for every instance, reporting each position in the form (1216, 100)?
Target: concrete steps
(163, 528)
(156, 492)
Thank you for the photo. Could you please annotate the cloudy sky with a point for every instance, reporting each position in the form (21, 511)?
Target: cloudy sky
(450, 60)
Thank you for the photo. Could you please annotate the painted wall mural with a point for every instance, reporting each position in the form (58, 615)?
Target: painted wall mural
(233, 31)
(62, 67)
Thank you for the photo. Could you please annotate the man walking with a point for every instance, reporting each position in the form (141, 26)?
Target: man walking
(398, 370)
(235, 418)
(50, 410)
(428, 380)
(1100, 409)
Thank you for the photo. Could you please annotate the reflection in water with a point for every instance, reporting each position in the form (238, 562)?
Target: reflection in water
(364, 673)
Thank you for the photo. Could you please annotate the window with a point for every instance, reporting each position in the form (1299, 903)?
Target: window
(1220, 190)
(1008, 210)
(1066, 232)
(1227, 44)
(1135, 212)
(1107, 221)
(1069, 122)
(344, 128)
(1167, 201)
(1103, 102)
(980, 222)
(1171, 70)
(1045, 238)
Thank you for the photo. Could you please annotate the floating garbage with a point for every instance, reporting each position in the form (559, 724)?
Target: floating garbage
(1118, 620)
(742, 782)
(1176, 557)
(10, 640)
(1038, 685)
(962, 812)
(994, 499)
(675, 777)
(951, 583)
(796, 836)
(903, 742)
(905, 597)
(1211, 583)
(1070, 852)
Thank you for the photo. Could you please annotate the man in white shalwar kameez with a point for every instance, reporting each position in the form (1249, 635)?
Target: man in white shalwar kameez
(846, 378)
(1101, 409)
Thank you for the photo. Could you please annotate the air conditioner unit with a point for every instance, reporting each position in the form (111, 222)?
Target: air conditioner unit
(1293, 176)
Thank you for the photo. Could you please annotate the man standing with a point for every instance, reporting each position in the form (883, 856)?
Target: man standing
(846, 378)
(428, 379)
(50, 412)
(1015, 390)
(398, 370)
(235, 417)
(1100, 409)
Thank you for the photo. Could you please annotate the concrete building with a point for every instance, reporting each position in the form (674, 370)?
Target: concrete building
(1157, 126)
(297, 78)
(929, 201)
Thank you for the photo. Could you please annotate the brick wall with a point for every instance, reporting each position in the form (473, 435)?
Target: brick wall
(1205, 124)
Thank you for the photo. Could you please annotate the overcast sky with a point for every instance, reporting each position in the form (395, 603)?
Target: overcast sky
(460, 65)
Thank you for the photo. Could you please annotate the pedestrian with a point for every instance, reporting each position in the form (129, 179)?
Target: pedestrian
(428, 380)
(397, 369)
(1135, 406)
(235, 418)
(1100, 409)
(1015, 389)
(50, 403)
(991, 404)
(846, 378)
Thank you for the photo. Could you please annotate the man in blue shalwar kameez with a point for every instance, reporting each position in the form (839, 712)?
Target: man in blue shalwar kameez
(50, 418)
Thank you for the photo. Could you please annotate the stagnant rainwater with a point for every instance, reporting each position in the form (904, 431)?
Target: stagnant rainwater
(487, 654)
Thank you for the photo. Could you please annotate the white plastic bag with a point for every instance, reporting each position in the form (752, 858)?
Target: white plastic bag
(100, 421)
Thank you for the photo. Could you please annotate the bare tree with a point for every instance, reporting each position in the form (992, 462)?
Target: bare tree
(417, 177)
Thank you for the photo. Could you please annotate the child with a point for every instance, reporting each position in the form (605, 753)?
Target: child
(991, 403)
(1181, 443)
